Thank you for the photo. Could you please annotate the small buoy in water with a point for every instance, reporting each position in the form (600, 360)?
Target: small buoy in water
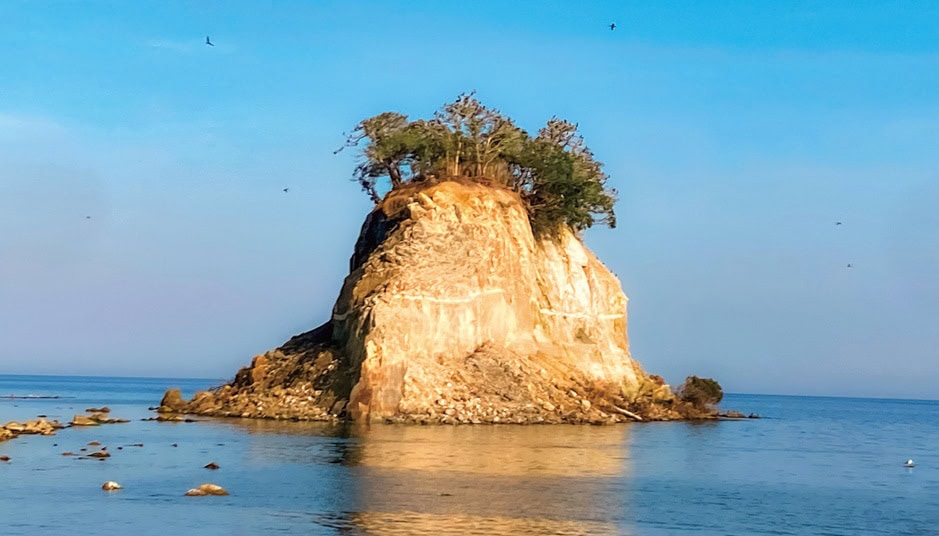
(909, 463)
(111, 485)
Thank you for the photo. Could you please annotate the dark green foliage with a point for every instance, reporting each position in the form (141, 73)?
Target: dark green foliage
(701, 392)
(554, 173)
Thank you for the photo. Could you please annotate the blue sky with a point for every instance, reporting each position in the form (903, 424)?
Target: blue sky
(736, 132)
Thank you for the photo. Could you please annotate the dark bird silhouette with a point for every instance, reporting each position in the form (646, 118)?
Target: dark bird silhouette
(837, 223)
(286, 190)
(87, 217)
(612, 26)
(849, 265)
(209, 41)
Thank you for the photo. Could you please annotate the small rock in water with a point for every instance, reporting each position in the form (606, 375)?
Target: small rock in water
(206, 489)
(111, 485)
(174, 445)
(81, 420)
(103, 409)
(68, 454)
(4, 458)
(212, 465)
(100, 454)
(94, 443)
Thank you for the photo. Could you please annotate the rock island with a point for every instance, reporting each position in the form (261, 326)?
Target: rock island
(471, 297)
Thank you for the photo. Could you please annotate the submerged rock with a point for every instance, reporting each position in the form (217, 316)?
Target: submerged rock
(212, 465)
(454, 312)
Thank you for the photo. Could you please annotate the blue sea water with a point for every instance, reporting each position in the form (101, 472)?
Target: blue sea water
(826, 466)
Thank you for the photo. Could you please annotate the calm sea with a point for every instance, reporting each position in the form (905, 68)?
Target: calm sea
(813, 466)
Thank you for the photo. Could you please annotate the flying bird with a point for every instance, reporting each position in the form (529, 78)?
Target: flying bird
(286, 190)
(208, 41)
(612, 26)
(87, 217)
(837, 223)
(849, 265)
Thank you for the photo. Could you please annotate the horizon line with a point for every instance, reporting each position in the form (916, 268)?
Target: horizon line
(227, 379)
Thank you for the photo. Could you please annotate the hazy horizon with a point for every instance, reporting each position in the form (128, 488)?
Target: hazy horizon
(736, 134)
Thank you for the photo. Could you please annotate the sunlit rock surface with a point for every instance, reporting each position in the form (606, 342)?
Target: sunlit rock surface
(454, 312)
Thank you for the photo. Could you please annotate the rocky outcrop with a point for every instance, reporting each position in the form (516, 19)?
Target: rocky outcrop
(454, 312)
(95, 419)
(31, 427)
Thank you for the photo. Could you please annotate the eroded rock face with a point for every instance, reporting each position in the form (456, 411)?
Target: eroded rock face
(454, 312)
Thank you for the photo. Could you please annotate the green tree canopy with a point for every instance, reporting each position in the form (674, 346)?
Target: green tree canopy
(554, 172)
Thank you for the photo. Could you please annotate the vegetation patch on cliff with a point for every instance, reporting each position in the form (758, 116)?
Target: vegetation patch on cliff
(554, 172)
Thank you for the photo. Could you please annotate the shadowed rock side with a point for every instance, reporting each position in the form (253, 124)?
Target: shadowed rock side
(454, 312)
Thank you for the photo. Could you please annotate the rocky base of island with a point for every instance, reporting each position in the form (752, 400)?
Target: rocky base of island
(308, 380)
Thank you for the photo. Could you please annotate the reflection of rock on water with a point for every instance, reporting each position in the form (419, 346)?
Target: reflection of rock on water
(416, 524)
(491, 480)
(525, 451)
(406, 479)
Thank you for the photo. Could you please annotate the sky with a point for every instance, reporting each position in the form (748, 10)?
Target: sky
(737, 133)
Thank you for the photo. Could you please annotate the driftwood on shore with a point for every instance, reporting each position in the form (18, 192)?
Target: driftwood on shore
(627, 413)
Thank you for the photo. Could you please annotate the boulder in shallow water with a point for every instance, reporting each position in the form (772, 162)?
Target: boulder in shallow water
(102, 409)
(81, 420)
(172, 402)
(212, 465)
(207, 489)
